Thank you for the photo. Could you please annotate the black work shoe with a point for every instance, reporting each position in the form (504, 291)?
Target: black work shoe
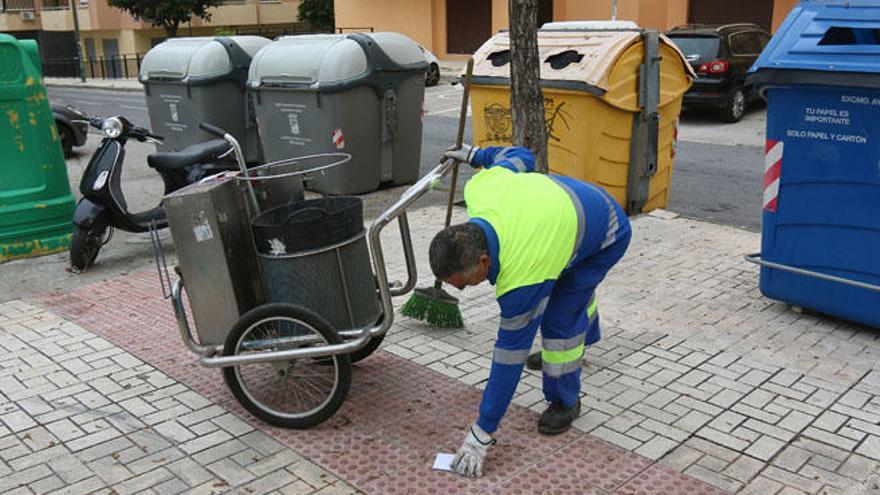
(557, 418)
(534, 361)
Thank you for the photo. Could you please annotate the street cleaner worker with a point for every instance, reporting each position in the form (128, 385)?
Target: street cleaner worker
(545, 242)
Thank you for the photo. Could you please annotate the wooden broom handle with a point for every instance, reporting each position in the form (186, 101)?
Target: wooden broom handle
(459, 138)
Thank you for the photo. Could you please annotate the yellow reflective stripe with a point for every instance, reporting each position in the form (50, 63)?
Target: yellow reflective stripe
(591, 309)
(559, 357)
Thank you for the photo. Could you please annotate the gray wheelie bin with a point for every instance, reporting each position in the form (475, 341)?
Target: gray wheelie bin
(360, 93)
(188, 81)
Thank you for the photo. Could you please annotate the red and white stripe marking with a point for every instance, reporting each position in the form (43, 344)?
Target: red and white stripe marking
(338, 138)
(772, 171)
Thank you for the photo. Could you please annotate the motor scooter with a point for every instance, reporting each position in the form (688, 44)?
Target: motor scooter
(103, 208)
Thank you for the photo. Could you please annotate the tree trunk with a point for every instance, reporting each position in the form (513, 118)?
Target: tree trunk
(171, 29)
(526, 99)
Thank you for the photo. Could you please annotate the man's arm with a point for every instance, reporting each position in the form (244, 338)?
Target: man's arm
(513, 158)
(521, 313)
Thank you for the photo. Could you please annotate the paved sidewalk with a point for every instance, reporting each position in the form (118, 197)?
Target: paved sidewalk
(696, 374)
(81, 415)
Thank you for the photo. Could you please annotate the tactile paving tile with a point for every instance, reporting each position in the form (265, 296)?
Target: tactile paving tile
(397, 415)
(585, 462)
(661, 480)
(409, 481)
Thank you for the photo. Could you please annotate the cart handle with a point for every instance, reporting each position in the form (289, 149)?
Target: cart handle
(239, 158)
(756, 259)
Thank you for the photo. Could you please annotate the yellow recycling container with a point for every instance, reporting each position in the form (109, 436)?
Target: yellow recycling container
(593, 106)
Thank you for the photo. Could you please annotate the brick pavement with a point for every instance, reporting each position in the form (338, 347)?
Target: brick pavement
(696, 370)
(81, 415)
(397, 416)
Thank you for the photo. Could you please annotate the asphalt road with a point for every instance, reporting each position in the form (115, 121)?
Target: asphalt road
(712, 181)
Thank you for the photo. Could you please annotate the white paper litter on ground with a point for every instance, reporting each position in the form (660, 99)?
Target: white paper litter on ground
(443, 462)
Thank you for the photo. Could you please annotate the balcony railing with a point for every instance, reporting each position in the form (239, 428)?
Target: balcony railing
(56, 5)
(17, 5)
(109, 67)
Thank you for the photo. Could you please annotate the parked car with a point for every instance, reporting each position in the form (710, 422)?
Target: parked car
(720, 55)
(432, 77)
(73, 127)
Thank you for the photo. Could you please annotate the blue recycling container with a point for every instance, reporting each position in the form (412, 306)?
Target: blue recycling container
(820, 244)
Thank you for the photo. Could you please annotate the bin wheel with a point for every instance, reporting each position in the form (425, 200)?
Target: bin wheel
(297, 393)
(735, 107)
(432, 76)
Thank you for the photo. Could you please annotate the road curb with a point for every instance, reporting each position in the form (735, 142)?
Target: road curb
(447, 74)
(93, 85)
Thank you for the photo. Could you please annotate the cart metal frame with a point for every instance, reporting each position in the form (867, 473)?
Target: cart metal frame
(355, 339)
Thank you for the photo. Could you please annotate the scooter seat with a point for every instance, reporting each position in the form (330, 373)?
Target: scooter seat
(207, 151)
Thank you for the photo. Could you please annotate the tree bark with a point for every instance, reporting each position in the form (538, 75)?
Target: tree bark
(526, 99)
(171, 29)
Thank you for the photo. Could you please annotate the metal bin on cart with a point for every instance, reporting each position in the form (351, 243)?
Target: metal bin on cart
(209, 222)
(820, 241)
(314, 253)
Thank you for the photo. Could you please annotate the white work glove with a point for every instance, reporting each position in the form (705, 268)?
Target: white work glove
(469, 459)
(464, 154)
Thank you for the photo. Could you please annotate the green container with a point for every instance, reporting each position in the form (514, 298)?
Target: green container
(36, 206)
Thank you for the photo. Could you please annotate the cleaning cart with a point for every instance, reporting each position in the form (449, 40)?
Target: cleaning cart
(285, 361)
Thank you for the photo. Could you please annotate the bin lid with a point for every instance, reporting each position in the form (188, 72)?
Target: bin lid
(199, 58)
(821, 38)
(14, 57)
(591, 25)
(400, 49)
(587, 60)
(333, 61)
(308, 59)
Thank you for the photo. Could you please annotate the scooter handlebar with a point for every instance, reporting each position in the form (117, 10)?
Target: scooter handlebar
(212, 129)
(143, 134)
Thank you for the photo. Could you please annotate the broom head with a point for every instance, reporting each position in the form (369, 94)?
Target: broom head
(434, 306)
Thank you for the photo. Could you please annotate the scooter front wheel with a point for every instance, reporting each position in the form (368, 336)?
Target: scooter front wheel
(84, 247)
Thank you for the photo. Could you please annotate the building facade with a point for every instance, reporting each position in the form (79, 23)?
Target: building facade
(111, 34)
(453, 27)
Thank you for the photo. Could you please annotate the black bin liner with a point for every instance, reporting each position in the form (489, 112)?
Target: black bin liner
(314, 253)
(309, 224)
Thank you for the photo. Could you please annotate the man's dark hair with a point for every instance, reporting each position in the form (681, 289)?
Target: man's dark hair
(456, 249)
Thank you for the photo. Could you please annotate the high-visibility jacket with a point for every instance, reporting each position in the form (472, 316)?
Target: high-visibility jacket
(536, 226)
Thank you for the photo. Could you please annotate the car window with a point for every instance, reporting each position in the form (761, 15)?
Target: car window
(744, 44)
(698, 49)
(763, 39)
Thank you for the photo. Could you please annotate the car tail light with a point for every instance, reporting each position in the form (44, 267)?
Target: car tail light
(714, 67)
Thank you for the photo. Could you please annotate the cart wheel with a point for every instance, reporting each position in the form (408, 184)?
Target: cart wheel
(365, 351)
(297, 393)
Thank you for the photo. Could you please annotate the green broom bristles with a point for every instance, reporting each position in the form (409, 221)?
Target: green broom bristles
(434, 307)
